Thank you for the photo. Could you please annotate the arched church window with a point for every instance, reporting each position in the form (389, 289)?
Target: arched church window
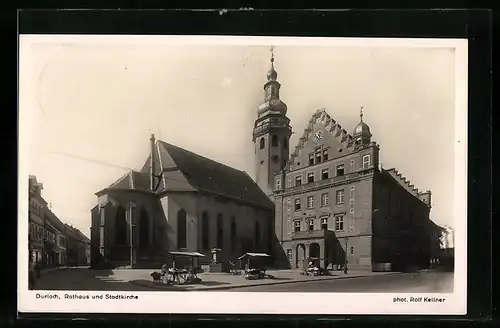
(262, 143)
(120, 227)
(274, 140)
(181, 229)
(144, 229)
(205, 230)
(220, 232)
(233, 233)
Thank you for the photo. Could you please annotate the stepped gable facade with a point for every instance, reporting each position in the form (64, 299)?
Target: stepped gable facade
(334, 203)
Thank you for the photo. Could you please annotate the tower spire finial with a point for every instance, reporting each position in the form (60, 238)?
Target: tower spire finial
(272, 75)
(361, 113)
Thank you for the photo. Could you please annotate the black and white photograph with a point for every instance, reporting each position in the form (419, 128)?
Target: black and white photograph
(233, 167)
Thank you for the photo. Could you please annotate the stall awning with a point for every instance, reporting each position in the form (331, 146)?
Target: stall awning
(191, 254)
(254, 255)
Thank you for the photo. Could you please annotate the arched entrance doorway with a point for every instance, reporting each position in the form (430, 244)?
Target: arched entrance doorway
(314, 250)
(300, 254)
(314, 253)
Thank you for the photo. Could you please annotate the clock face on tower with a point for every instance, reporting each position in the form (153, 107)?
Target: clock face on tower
(318, 136)
(275, 158)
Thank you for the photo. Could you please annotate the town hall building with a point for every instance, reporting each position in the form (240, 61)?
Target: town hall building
(328, 200)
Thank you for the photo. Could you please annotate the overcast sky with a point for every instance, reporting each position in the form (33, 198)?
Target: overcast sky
(88, 109)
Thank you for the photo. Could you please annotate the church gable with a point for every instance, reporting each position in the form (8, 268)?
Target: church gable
(321, 133)
(172, 178)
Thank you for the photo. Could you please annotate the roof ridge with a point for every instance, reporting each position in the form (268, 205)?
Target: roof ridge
(122, 178)
(201, 156)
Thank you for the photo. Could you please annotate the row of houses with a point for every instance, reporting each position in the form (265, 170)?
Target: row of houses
(51, 242)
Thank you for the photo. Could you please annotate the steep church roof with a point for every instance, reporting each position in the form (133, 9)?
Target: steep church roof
(207, 175)
(132, 180)
(183, 170)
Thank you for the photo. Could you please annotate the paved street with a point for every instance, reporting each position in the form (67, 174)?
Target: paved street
(85, 279)
(434, 282)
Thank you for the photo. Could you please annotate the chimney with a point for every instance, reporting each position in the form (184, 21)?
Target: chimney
(152, 163)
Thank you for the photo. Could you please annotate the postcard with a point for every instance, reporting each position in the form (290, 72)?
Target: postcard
(209, 174)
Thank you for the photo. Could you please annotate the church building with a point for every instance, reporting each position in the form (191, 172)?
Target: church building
(180, 201)
(329, 200)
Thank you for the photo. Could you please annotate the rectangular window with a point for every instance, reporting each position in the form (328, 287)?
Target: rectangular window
(339, 223)
(324, 223)
(289, 182)
(310, 177)
(318, 157)
(311, 224)
(340, 197)
(340, 170)
(297, 204)
(366, 161)
(298, 180)
(353, 166)
(324, 199)
(351, 192)
(296, 226)
(311, 159)
(278, 184)
(310, 201)
(325, 174)
(325, 155)
(289, 255)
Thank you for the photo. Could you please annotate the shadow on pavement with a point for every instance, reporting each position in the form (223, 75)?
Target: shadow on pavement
(213, 283)
(156, 285)
(279, 279)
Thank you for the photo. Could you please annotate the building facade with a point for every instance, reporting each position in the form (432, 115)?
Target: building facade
(48, 235)
(50, 255)
(77, 247)
(335, 203)
(36, 212)
(179, 201)
(58, 246)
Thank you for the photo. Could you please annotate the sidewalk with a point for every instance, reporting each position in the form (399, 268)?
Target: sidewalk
(222, 281)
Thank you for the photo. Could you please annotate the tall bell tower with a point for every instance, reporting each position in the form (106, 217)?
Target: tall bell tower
(271, 133)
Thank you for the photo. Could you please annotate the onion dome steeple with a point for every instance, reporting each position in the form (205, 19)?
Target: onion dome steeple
(272, 103)
(362, 134)
(272, 75)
